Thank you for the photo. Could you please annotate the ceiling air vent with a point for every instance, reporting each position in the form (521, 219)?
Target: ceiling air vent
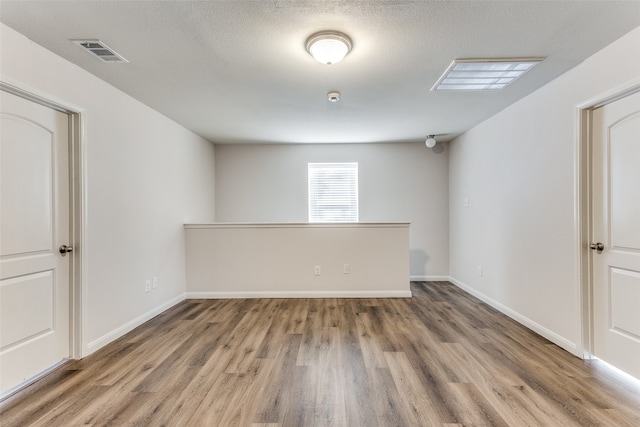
(484, 74)
(100, 50)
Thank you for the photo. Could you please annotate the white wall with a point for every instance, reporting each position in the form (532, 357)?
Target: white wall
(279, 260)
(146, 176)
(397, 182)
(518, 170)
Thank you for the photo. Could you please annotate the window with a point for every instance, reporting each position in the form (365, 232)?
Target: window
(333, 192)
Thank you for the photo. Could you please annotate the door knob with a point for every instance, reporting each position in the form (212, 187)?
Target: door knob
(598, 247)
(64, 249)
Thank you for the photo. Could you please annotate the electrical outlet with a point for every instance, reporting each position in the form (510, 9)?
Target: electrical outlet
(155, 283)
(346, 269)
(316, 270)
(147, 286)
(479, 271)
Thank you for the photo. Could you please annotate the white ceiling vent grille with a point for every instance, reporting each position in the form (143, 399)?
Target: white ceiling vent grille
(100, 50)
(484, 74)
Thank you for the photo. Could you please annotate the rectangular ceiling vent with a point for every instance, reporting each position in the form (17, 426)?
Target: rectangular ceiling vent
(484, 74)
(100, 50)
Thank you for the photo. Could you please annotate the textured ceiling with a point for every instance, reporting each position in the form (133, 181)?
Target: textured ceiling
(237, 71)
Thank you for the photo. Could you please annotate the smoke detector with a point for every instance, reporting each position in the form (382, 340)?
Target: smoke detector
(333, 96)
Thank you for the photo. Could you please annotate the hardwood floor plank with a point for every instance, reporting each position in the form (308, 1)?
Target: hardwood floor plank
(162, 404)
(272, 342)
(308, 355)
(271, 408)
(301, 399)
(62, 414)
(141, 361)
(53, 391)
(372, 351)
(128, 405)
(329, 381)
(296, 314)
(329, 313)
(247, 337)
(399, 314)
(441, 358)
(356, 379)
(498, 377)
(434, 372)
(477, 411)
(547, 383)
(426, 352)
(414, 397)
(502, 390)
(429, 316)
(387, 404)
(208, 338)
(184, 404)
(241, 409)
(157, 379)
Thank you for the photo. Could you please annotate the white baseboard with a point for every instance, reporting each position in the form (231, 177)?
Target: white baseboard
(131, 325)
(299, 294)
(571, 347)
(429, 278)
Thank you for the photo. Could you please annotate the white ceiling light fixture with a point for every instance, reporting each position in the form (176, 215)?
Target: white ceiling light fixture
(328, 47)
(484, 74)
(431, 141)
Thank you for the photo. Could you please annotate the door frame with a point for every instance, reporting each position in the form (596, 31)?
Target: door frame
(584, 205)
(77, 205)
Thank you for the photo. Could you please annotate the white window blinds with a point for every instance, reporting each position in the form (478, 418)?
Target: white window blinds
(333, 192)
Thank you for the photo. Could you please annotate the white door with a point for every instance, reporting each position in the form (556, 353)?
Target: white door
(34, 209)
(616, 225)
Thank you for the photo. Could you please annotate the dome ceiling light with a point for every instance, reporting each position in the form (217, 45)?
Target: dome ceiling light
(328, 47)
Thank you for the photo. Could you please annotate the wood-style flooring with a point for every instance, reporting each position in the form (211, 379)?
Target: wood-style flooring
(441, 358)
